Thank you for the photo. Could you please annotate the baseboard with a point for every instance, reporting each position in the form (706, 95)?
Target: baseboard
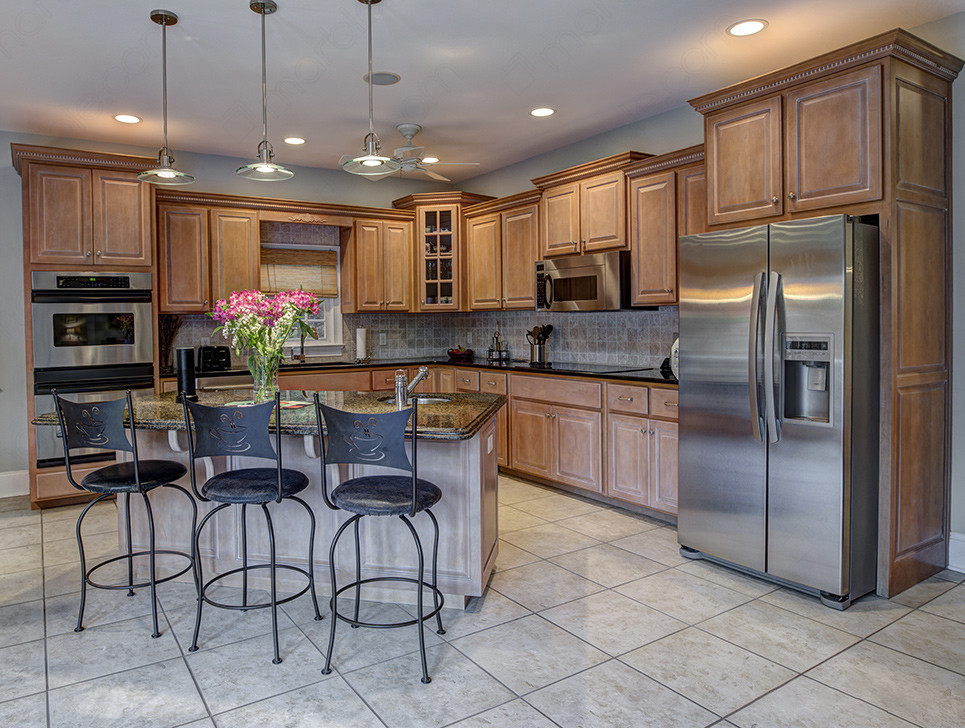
(17, 482)
(956, 551)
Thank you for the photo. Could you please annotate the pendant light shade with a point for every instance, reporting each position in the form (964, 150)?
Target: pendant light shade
(164, 173)
(370, 163)
(263, 169)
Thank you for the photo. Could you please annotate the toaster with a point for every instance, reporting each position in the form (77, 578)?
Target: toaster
(214, 358)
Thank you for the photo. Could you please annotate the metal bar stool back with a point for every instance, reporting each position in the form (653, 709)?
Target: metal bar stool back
(378, 439)
(100, 425)
(244, 431)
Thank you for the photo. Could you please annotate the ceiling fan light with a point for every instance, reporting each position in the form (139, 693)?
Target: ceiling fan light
(430, 160)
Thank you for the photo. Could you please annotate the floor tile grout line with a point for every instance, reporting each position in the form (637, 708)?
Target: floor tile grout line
(43, 591)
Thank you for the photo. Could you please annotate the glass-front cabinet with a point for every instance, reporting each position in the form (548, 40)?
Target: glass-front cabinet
(438, 258)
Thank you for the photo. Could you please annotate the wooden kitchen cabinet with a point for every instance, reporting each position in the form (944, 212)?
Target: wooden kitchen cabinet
(382, 265)
(446, 380)
(560, 213)
(813, 147)
(498, 383)
(184, 285)
(663, 459)
(577, 437)
(692, 199)
(628, 458)
(653, 235)
(84, 216)
(532, 448)
(502, 249)
(235, 252)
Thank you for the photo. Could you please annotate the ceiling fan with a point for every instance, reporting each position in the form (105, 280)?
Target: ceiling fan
(411, 157)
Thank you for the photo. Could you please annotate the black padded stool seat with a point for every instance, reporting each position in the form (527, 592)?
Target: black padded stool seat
(384, 495)
(120, 478)
(253, 485)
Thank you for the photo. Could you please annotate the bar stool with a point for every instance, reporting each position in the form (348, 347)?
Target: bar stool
(101, 425)
(243, 432)
(366, 439)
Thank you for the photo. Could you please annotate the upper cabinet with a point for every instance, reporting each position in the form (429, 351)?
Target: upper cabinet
(583, 209)
(235, 249)
(818, 145)
(383, 255)
(502, 246)
(82, 216)
(438, 247)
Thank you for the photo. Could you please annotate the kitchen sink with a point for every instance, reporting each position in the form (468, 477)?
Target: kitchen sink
(418, 399)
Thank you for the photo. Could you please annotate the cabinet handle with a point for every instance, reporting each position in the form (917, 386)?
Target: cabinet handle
(791, 196)
(491, 384)
(625, 399)
(671, 404)
(774, 200)
(465, 380)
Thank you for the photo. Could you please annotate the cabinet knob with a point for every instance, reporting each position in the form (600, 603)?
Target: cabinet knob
(791, 196)
(491, 384)
(671, 404)
(87, 253)
(547, 415)
(98, 254)
(651, 432)
(206, 302)
(773, 200)
(643, 430)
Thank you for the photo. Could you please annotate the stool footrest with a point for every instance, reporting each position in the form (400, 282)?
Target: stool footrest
(141, 584)
(391, 625)
(259, 605)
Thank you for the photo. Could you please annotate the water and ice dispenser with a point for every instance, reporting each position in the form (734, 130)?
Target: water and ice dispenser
(807, 377)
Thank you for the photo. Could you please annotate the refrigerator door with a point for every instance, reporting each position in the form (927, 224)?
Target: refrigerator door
(805, 321)
(722, 455)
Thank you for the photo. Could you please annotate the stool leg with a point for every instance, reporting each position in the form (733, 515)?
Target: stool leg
(331, 569)
(422, 637)
(200, 575)
(435, 572)
(244, 555)
(358, 574)
(311, 556)
(130, 546)
(194, 527)
(153, 558)
(83, 564)
(274, 592)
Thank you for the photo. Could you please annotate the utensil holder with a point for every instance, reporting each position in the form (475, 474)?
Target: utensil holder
(537, 353)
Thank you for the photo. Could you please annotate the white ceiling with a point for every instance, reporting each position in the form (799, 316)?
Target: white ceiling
(471, 69)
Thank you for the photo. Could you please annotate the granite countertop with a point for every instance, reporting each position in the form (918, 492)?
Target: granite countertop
(459, 419)
(595, 371)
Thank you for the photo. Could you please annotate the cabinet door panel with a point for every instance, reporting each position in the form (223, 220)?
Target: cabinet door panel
(183, 265)
(530, 428)
(628, 458)
(691, 201)
(235, 248)
(603, 217)
(654, 240)
(663, 460)
(427, 385)
(520, 253)
(577, 449)
(397, 270)
(744, 162)
(122, 218)
(560, 215)
(485, 286)
(446, 380)
(502, 436)
(833, 132)
(368, 265)
(59, 201)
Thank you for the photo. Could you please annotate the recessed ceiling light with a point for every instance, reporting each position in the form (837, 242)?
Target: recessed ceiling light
(383, 78)
(294, 140)
(543, 111)
(747, 27)
(430, 160)
(127, 118)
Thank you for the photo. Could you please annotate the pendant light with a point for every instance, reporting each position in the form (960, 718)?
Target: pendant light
(264, 170)
(370, 162)
(164, 173)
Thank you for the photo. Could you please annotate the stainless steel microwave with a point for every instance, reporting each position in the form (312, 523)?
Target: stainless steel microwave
(598, 282)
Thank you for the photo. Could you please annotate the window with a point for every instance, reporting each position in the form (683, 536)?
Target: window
(327, 324)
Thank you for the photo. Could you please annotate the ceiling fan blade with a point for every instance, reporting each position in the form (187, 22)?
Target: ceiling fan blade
(460, 164)
(407, 152)
(434, 175)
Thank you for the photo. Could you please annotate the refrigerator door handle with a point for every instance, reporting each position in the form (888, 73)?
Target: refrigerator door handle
(753, 354)
(770, 361)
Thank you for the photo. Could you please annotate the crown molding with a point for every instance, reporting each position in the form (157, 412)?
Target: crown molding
(670, 160)
(439, 198)
(589, 169)
(500, 204)
(21, 153)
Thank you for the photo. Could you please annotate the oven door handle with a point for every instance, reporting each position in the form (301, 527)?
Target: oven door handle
(97, 296)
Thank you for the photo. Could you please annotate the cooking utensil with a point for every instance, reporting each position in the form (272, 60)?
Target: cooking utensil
(545, 332)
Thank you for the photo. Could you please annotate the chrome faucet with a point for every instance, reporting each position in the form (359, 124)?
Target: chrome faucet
(420, 375)
(403, 390)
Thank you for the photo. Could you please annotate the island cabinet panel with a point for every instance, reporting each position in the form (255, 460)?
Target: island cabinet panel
(663, 461)
(653, 234)
(235, 252)
(628, 458)
(494, 383)
(560, 215)
(485, 263)
(183, 253)
(122, 218)
(603, 214)
(577, 447)
(833, 137)
(532, 450)
(59, 207)
(520, 251)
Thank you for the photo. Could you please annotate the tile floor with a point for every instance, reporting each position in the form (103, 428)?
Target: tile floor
(593, 620)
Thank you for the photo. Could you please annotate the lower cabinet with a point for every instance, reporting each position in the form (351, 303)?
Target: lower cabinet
(642, 461)
(663, 466)
(531, 437)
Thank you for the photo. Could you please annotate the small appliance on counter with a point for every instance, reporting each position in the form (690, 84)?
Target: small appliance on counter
(187, 382)
(214, 358)
(537, 338)
(499, 349)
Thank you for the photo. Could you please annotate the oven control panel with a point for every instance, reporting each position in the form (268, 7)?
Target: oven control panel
(72, 282)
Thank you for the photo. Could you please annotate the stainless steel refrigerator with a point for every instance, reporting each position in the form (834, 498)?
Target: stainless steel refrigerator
(778, 402)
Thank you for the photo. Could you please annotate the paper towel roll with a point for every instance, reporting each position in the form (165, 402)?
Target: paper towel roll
(360, 348)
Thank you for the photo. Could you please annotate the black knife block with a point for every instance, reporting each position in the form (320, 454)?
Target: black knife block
(186, 377)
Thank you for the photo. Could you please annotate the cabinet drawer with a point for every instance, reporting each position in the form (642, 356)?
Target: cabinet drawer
(626, 398)
(552, 389)
(383, 379)
(663, 403)
(493, 383)
(322, 381)
(467, 380)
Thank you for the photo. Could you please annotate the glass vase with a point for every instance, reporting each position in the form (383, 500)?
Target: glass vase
(264, 370)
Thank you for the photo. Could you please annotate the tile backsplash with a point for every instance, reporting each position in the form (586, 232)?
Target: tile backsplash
(634, 338)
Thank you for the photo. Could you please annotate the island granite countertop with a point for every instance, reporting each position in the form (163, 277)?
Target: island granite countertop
(460, 418)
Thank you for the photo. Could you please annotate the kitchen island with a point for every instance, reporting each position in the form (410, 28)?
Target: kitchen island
(457, 452)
